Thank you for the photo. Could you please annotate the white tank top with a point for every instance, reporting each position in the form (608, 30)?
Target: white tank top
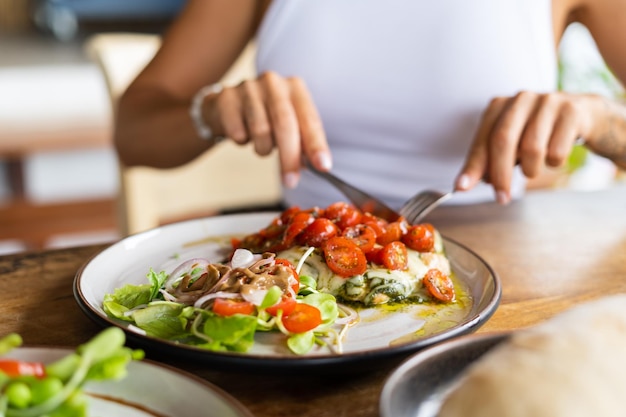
(401, 84)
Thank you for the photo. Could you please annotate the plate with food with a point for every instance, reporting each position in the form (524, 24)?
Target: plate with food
(310, 288)
(101, 378)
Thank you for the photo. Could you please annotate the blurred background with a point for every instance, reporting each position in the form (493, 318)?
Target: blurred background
(58, 171)
(59, 178)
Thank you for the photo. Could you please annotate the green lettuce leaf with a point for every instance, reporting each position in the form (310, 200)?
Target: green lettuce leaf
(233, 333)
(160, 319)
(126, 298)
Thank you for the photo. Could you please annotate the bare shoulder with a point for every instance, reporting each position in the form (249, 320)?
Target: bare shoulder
(605, 19)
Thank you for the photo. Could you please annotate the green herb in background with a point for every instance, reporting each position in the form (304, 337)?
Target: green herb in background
(58, 392)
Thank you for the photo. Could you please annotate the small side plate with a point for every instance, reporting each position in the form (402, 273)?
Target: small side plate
(139, 394)
(417, 387)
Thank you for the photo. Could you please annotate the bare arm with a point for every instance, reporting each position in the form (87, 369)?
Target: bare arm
(606, 20)
(269, 112)
(153, 126)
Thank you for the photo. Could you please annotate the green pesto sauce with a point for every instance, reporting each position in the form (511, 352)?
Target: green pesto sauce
(438, 317)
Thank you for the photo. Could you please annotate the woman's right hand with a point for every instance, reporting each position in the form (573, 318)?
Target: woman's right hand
(270, 112)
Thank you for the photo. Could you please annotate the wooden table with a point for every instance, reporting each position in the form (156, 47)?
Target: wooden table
(552, 250)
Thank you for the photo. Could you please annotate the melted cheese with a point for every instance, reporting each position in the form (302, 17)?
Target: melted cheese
(377, 285)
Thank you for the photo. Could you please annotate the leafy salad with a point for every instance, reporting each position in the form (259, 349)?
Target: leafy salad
(221, 306)
(34, 389)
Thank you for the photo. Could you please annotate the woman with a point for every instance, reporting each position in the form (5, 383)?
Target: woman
(395, 95)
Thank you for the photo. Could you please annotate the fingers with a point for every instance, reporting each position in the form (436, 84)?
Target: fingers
(477, 162)
(529, 129)
(274, 112)
(255, 118)
(284, 126)
(564, 135)
(312, 132)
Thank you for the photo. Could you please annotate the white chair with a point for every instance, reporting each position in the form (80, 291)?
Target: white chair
(228, 177)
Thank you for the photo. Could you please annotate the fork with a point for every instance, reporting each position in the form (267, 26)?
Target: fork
(422, 203)
(360, 199)
(414, 210)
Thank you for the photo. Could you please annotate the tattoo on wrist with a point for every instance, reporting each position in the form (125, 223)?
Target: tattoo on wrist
(612, 142)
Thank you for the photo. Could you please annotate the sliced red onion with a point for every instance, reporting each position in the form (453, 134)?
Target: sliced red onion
(254, 295)
(243, 258)
(167, 296)
(136, 329)
(186, 267)
(308, 252)
(200, 301)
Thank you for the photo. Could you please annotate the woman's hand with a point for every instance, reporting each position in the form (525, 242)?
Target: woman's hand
(528, 129)
(272, 111)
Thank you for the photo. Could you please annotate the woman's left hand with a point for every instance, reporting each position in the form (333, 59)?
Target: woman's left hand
(529, 129)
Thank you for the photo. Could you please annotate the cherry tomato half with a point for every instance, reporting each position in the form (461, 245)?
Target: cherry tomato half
(287, 304)
(275, 229)
(439, 285)
(420, 237)
(317, 232)
(361, 234)
(375, 255)
(287, 215)
(344, 257)
(15, 368)
(375, 223)
(343, 214)
(303, 318)
(392, 232)
(228, 307)
(298, 223)
(394, 255)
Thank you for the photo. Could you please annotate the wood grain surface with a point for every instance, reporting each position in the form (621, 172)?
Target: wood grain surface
(552, 250)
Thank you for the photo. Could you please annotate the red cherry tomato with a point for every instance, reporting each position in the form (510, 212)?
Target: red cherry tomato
(375, 223)
(375, 255)
(315, 211)
(343, 214)
(287, 304)
(361, 234)
(295, 286)
(317, 232)
(287, 215)
(439, 285)
(344, 257)
(420, 237)
(228, 307)
(394, 256)
(15, 368)
(253, 243)
(298, 223)
(275, 229)
(393, 232)
(303, 318)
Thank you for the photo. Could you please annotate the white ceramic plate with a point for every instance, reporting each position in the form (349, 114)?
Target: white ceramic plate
(149, 390)
(380, 334)
(418, 386)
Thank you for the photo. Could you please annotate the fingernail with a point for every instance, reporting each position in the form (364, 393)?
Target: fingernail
(502, 197)
(290, 179)
(323, 160)
(463, 182)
